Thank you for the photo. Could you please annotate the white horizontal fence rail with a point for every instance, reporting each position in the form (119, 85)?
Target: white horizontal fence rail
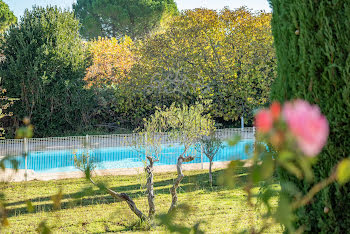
(244, 133)
(52, 152)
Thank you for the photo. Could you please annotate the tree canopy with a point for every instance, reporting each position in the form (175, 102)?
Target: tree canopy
(44, 66)
(6, 16)
(116, 18)
(227, 57)
(112, 61)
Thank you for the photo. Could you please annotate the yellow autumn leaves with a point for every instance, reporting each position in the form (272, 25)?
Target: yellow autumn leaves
(112, 60)
(226, 56)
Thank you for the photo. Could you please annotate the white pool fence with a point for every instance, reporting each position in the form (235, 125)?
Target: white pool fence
(18, 147)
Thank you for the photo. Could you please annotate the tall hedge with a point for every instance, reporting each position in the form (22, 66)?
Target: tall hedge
(44, 67)
(312, 40)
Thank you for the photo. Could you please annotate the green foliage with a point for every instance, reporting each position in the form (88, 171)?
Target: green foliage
(227, 57)
(149, 141)
(211, 145)
(7, 17)
(188, 124)
(5, 103)
(312, 48)
(44, 67)
(111, 18)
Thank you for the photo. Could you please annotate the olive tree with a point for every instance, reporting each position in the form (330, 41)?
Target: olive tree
(147, 142)
(187, 124)
(184, 124)
(210, 146)
(149, 146)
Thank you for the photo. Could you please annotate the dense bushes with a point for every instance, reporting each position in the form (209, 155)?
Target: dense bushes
(313, 52)
(44, 66)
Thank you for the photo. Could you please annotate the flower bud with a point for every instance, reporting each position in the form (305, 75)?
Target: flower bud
(326, 210)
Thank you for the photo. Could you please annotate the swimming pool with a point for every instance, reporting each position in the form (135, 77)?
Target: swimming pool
(122, 157)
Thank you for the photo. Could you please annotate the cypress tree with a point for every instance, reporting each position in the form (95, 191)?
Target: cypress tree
(312, 40)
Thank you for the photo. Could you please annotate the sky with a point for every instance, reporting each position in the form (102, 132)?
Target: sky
(18, 6)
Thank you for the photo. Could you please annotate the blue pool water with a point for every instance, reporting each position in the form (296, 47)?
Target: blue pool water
(123, 157)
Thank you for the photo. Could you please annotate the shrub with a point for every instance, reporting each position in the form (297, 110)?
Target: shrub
(44, 67)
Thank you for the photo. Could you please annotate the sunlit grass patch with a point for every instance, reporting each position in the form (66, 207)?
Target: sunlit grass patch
(219, 209)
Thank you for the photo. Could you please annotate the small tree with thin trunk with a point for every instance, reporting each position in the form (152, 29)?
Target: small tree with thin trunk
(210, 146)
(149, 146)
(188, 124)
(148, 143)
(185, 124)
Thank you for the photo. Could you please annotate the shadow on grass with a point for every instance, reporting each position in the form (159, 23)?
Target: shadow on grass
(190, 183)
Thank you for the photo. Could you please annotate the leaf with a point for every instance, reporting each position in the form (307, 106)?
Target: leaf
(289, 166)
(5, 222)
(305, 165)
(234, 141)
(15, 164)
(30, 207)
(57, 199)
(285, 156)
(43, 228)
(227, 178)
(284, 214)
(268, 166)
(343, 171)
(256, 174)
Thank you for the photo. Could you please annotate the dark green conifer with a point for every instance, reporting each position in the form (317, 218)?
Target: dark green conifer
(312, 40)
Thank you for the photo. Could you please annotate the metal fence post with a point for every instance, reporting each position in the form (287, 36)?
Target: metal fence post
(87, 147)
(87, 141)
(25, 150)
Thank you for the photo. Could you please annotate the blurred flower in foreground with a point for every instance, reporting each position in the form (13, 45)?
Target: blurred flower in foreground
(25, 131)
(263, 121)
(308, 127)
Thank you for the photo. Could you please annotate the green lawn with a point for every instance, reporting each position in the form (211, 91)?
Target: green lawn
(220, 209)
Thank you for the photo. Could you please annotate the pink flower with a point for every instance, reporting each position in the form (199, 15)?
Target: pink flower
(275, 109)
(263, 121)
(308, 125)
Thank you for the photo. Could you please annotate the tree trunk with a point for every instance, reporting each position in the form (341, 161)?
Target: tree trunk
(150, 190)
(210, 175)
(127, 199)
(180, 176)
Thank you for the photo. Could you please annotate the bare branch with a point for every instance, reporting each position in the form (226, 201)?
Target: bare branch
(123, 197)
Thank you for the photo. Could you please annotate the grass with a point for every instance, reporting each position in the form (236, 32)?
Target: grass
(86, 209)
